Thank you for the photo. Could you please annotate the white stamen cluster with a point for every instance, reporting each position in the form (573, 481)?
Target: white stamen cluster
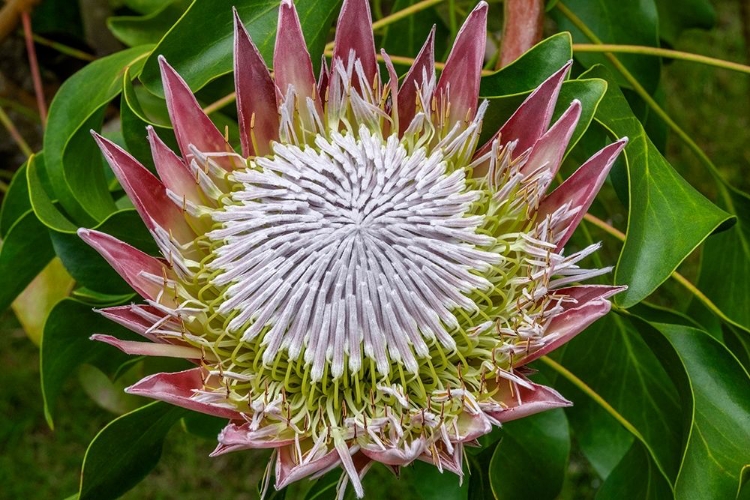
(354, 244)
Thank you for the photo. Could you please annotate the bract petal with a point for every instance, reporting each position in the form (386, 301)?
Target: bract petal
(177, 389)
(256, 95)
(580, 189)
(459, 81)
(129, 262)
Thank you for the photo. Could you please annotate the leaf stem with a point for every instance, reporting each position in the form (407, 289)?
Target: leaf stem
(573, 379)
(34, 65)
(659, 52)
(63, 49)
(13, 131)
(638, 88)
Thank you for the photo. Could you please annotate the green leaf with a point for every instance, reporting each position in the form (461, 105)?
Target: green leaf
(205, 426)
(15, 201)
(208, 25)
(676, 16)
(725, 264)
(635, 476)
(25, 251)
(86, 265)
(531, 69)
(126, 450)
(624, 23)
(434, 485)
(716, 392)
(668, 218)
(480, 487)
(72, 160)
(615, 362)
(149, 28)
(66, 345)
(531, 459)
(44, 208)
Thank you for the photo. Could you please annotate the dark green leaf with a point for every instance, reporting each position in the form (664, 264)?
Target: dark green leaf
(668, 218)
(725, 264)
(66, 345)
(616, 363)
(72, 161)
(44, 208)
(205, 426)
(149, 28)
(86, 265)
(208, 25)
(529, 70)
(624, 23)
(717, 391)
(434, 485)
(531, 459)
(25, 251)
(480, 487)
(15, 201)
(635, 476)
(126, 450)
(676, 16)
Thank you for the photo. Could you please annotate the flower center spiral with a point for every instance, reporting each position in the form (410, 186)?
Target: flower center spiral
(353, 248)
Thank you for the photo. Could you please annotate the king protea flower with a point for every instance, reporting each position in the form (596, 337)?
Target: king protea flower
(360, 282)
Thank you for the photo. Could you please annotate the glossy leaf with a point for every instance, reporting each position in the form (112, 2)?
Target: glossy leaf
(25, 251)
(72, 160)
(126, 450)
(45, 210)
(613, 360)
(15, 201)
(635, 476)
(716, 392)
(659, 237)
(725, 264)
(66, 345)
(529, 70)
(208, 26)
(532, 458)
(624, 23)
(149, 28)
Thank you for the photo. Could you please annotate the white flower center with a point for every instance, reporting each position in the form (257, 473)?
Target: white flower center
(353, 246)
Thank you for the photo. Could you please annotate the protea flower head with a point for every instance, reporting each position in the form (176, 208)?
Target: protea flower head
(360, 282)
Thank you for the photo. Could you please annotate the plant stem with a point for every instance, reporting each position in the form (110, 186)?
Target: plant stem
(659, 52)
(217, 105)
(34, 65)
(11, 128)
(522, 29)
(638, 88)
(63, 49)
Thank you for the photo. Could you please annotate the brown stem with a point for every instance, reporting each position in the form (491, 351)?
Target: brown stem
(522, 29)
(34, 65)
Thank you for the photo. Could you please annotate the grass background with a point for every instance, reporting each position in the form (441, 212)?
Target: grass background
(712, 105)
